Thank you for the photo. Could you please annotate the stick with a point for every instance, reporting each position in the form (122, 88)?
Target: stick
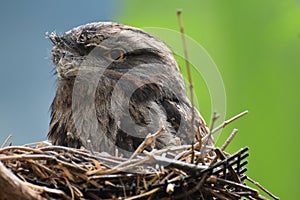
(262, 188)
(13, 188)
(229, 121)
(6, 140)
(144, 194)
(89, 146)
(45, 189)
(229, 139)
(213, 120)
(150, 138)
(208, 136)
(189, 77)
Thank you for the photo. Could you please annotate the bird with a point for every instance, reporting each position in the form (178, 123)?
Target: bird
(116, 84)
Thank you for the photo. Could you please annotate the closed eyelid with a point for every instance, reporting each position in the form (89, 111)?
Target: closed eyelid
(143, 51)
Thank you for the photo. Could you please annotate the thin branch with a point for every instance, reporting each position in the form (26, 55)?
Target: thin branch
(213, 120)
(225, 123)
(6, 140)
(150, 138)
(208, 136)
(238, 185)
(45, 189)
(89, 146)
(189, 78)
(186, 167)
(144, 194)
(13, 188)
(42, 157)
(262, 188)
(229, 139)
(21, 148)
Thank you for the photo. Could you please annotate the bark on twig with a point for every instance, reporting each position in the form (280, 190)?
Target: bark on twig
(13, 188)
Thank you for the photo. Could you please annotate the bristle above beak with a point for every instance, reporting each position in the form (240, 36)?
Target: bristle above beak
(55, 39)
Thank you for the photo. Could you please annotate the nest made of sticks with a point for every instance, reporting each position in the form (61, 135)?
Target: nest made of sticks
(199, 171)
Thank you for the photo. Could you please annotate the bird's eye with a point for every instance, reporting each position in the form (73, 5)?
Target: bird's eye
(116, 54)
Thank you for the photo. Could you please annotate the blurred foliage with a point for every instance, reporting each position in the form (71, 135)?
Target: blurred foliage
(256, 47)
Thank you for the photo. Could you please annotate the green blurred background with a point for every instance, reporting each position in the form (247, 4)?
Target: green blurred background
(255, 44)
(256, 47)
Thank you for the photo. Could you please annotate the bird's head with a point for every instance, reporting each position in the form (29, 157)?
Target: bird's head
(108, 46)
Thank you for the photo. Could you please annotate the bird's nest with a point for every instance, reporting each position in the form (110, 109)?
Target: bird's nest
(199, 171)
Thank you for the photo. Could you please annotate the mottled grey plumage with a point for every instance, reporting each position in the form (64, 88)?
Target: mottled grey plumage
(115, 84)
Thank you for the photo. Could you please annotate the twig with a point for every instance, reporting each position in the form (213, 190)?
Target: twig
(238, 185)
(22, 148)
(216, 194)
(229, 139)
(35, 144)
(194, 189)
(262, 188)
(144, 194)
(111, 159)
(124, 190)
(13, 188)
(208, 136)
(126, 165)
(45, 189)
(150, 138)
(186, 167)
(42, 157)
(225, 123)
(213, 120)
(189, 78)
(27, 157)
(90, 147)
(6, 140)
(203, 147)
(70, 188)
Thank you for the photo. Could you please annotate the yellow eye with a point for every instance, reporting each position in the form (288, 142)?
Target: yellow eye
(116, 54)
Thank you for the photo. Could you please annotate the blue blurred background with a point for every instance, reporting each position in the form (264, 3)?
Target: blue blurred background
(27, 84)
(255, 45)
